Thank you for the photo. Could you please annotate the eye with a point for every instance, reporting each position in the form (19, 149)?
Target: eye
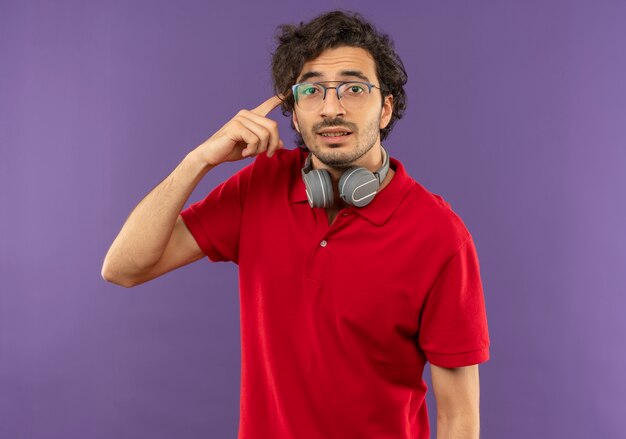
(308, 90)
(355, 89)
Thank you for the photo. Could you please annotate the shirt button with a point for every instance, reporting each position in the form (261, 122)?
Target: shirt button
(323, 243)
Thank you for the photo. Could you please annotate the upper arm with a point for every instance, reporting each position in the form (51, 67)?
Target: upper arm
(456, 390)
(181, 249)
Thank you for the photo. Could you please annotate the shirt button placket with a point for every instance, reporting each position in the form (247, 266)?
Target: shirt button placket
(317, 263)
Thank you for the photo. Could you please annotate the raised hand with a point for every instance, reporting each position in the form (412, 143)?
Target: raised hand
(247, 134)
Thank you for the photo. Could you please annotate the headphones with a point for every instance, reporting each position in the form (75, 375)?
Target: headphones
(357, 186)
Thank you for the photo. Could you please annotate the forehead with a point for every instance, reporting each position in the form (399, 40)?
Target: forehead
(332, 62)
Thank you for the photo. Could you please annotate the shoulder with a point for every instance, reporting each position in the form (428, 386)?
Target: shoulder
(435, 218)
(282, 158)
(279, 174)
(283, 162)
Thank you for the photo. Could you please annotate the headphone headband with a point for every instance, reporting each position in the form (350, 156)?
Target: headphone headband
(380, 173)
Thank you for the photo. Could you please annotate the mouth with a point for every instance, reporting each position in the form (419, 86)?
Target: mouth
(334, 135)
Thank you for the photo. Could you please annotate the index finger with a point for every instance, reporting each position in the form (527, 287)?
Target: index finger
(268, 106)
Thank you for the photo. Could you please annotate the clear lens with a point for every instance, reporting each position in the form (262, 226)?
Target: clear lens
(308, 96)
(352, 95)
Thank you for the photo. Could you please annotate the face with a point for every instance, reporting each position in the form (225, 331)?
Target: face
(361, 145)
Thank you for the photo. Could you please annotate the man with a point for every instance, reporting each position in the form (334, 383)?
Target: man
(343, 298)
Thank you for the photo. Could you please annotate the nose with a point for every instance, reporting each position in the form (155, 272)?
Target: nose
(331, 105)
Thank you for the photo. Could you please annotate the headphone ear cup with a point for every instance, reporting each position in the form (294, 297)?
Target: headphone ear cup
(357, 186)
(319, 188)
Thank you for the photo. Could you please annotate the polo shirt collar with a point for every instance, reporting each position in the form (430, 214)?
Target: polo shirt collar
(384, 203)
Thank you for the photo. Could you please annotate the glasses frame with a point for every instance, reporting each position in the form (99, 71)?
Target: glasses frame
(325, 88)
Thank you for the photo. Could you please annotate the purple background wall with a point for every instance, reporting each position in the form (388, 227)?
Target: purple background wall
(517, 116)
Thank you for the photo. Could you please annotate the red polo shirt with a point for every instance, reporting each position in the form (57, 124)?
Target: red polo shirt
(338, 321)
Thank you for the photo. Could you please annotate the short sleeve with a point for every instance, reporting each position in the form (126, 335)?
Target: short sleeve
(215, 221)
(453, 326)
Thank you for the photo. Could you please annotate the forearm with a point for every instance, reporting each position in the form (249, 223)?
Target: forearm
(145, 234)
(457, 392)
(458, 427)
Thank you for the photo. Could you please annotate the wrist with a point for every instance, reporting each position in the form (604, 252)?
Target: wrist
(197, 162)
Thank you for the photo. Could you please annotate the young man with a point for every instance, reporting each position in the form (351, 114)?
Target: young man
(344, 297)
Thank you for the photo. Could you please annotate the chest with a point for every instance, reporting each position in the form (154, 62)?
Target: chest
(370, 280)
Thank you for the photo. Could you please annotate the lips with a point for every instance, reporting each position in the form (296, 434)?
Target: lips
(334, 132)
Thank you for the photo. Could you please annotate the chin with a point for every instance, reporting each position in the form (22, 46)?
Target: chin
(337, 160)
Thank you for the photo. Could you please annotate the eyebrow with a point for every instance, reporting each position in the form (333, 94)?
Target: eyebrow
(355, 73)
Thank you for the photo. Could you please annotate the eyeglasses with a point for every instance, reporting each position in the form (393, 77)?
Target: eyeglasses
(352, 95)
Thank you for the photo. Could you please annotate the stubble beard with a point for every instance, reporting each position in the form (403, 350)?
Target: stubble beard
(345, 159)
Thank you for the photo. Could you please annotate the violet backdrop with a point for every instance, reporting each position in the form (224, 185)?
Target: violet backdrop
(516, 116)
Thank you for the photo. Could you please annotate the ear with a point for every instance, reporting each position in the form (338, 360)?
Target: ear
(386, 112)
(294, 119)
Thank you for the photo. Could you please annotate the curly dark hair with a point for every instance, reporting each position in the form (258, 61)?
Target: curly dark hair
(299, 44)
